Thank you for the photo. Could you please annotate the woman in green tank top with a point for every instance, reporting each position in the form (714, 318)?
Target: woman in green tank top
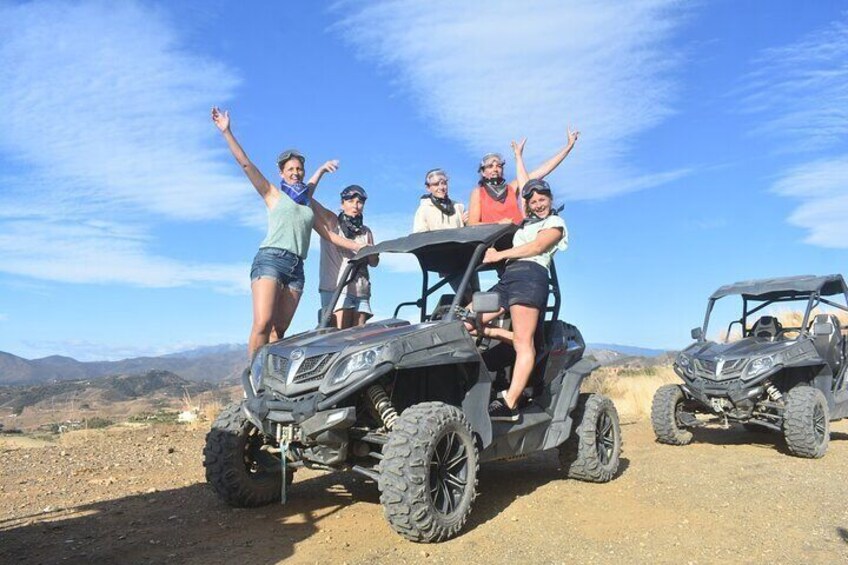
(277, 278)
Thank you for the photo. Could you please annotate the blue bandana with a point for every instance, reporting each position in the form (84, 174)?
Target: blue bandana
(298, 192)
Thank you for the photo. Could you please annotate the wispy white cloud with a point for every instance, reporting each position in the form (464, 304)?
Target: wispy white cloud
(107, 114)
(103, 252)
(801, 91)
(820, 185)
(488, 72)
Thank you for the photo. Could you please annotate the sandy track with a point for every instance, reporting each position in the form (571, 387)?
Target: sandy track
(138, 495)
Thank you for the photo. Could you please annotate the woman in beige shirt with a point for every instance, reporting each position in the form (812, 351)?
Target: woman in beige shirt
(436, 211)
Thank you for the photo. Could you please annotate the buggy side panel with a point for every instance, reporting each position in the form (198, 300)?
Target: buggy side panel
(568, 382)
(443, 364)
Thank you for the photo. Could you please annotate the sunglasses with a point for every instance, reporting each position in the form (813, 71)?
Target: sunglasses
(289, 154)
(442, 182)
(354, 191)
(491, 160)
(536, 185)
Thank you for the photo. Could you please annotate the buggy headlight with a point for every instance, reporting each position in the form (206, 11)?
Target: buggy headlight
(359, 361)
(684, 362)
(759, 366)
(256, 370)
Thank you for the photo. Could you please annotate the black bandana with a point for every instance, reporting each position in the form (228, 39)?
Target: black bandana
(495, 188)
(351, 225)
(445, 205)
(534, 219)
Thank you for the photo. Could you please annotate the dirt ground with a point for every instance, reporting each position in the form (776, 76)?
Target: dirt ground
(137, 495)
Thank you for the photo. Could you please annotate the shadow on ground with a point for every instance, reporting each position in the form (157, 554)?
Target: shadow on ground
(502, 483)
(183, 525)
(738, 435)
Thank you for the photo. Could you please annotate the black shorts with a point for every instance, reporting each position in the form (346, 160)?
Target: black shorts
(523, 282)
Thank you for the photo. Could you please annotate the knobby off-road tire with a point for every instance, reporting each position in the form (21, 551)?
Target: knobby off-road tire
(593, 450)
(667, 403)
(242, 474)
(806, 422)
(428, 475)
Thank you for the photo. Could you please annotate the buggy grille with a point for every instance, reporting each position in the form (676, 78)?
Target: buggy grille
(313, 368)
(706, 368)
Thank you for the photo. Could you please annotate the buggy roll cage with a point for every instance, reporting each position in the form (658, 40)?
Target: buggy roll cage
(818, 288)
(422, 245)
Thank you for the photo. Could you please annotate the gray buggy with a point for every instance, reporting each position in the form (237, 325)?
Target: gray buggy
(405, 404)
(788, 379)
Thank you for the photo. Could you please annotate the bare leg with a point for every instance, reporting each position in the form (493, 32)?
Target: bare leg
(339, 318)
(264, 292)
(361, 318)
(524, 320)
(284, 312)
(485, 318)
(345, 318)
(499, 334)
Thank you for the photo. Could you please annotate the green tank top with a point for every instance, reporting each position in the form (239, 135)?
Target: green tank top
(289, 226)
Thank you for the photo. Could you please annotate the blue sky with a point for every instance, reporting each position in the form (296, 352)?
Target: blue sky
(713, 149)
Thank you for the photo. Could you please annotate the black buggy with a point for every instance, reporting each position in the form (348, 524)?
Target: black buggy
(789, 379)
(405, 404)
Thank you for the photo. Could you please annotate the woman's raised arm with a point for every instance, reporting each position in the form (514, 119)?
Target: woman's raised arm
(263, 187)
(330, 166)
(520, 168)
(548, 166)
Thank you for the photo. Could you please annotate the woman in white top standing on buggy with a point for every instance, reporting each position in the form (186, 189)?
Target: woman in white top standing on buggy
(523, 285)
(354, 305)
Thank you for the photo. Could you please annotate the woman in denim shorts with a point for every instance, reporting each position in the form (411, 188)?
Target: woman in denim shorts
(523, 286)
(354, 305)
(276, 277)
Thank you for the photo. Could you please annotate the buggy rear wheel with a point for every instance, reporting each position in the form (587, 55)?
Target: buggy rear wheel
(593, 451)
(665, 416)
(806, 422)
(428, 475)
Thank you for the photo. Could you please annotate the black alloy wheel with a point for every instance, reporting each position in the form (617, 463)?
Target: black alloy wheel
(448, 473)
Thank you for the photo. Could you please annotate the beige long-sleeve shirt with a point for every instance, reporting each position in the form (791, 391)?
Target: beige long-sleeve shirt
(429, 218)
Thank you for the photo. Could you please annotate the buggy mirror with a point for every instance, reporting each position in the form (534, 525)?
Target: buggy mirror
(485, 302)
(697, 334)
(822, 328)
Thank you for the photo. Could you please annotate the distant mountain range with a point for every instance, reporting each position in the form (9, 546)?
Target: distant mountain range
(214, 364)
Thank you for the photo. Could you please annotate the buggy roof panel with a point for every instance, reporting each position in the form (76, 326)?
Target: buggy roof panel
(445, 251)
(770, 289)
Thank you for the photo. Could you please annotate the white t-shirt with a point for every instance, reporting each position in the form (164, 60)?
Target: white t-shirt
(334, 261)
(529, 232)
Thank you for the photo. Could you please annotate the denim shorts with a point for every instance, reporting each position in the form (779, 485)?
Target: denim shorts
(347, 302)
(523, 282)
(279, 264)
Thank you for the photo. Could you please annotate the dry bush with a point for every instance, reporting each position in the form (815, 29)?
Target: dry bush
(209, 411)
(632, 390)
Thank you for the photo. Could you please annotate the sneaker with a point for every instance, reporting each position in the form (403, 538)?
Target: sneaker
(500, 412)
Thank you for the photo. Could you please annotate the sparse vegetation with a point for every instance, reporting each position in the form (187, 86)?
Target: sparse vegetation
(98, 422)
(631, 389)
